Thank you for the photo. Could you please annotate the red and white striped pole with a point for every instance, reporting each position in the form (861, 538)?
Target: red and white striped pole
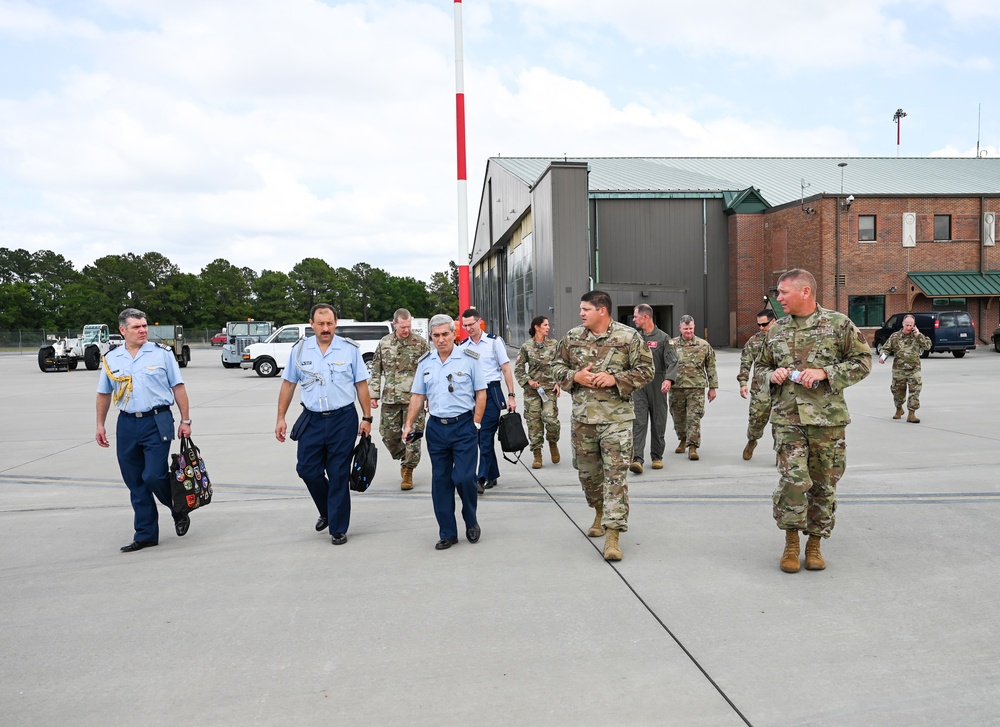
(464, 287)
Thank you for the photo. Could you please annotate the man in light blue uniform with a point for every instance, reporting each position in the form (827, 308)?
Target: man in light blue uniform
(143, 381)
(494, 361)
(333, 374)
(450, 380)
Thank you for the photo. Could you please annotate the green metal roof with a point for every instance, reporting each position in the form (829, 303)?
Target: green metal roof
(948, 285)
(779, 180)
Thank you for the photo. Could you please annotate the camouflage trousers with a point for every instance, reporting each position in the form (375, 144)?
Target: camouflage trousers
(390, 427)
(650, 407)
(811, 460)
(760, 413)
(900, 382)
(542, 419)
(601, 455)
(687, 407)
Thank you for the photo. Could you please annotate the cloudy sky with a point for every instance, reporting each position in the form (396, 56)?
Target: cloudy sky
(266, 131)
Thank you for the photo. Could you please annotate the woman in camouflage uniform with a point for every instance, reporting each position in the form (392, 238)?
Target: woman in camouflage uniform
(532, 369)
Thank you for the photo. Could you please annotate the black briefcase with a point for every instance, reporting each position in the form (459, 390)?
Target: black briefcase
(512, 436)
(363, 464)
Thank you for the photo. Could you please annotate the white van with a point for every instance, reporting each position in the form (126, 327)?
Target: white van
(269, 357)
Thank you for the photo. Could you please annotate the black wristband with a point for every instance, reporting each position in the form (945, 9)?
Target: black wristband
(509, 395)
(367, 419)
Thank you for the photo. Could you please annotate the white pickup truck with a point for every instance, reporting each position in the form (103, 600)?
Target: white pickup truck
(269, 357)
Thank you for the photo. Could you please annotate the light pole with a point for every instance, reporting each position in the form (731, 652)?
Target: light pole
(897, 117)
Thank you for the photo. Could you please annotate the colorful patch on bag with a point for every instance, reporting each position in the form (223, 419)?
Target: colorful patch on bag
(192, 501)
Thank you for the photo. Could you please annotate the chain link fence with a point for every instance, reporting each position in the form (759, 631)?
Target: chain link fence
(24, 341)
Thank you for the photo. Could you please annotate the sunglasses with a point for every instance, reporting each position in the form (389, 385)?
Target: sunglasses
(763, 325)
(451, 385)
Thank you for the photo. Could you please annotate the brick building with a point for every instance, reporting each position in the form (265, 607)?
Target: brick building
(710, 236)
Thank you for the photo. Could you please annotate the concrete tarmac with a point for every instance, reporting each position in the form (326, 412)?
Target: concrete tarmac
(254, 618)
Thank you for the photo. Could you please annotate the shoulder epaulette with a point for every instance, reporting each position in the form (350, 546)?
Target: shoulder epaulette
(491, 335)
(350, 341)
(464, 341)
(424, 356)
(165, 347)
(470, 352)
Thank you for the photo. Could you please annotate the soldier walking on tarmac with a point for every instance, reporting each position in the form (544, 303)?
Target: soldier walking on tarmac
(601, 363)
(695, 371)
(650, 401)
(396, 360)
(906, 345)
(759, 390)
(810, 357)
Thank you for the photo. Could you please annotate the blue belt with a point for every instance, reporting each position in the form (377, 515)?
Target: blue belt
(141, 414)
(329, 413)
(452, 420)
(493, 383)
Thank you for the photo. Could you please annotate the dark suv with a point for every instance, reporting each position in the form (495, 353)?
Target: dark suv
(950, 330)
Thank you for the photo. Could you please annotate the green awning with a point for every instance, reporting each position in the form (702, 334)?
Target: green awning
(779, 311)
(957, 285)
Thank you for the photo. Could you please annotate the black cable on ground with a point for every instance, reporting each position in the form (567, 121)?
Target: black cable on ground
(644, 604)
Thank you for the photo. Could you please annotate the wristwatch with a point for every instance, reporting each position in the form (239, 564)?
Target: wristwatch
(186, 421)
(478, 425)
(510, 396)
(367, 419)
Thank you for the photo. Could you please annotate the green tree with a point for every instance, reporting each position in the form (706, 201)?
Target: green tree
(273, 291)
(443, 291)
(411, 294)
(228, 293)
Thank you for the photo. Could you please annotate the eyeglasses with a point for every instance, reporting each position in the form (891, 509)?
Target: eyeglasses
(451, 385)
(764, 325)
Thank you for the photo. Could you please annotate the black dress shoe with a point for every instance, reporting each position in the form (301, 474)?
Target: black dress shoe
(181, 525)
(473, 533)
(481, 486)
(321, 524)
(339, 538)
(445, 543)
(137, 545)
(490, 484)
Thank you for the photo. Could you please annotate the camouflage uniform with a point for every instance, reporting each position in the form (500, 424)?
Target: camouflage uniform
(396, 360)
(695, 372)
(906, 352)
(760, 391)
(534, 362)
(809, 424)
(650, 403)
(602, 418)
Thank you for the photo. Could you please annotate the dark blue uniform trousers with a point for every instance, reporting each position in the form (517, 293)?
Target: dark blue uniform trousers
(488, 469)
(143, 447)
(452, 449)
(325, 450)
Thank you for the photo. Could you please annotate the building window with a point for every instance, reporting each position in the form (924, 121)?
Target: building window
(866, 228)
(866, 310)
(948, 303)
(942, 227)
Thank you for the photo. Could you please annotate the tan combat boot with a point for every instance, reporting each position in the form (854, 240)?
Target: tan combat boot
(537, 464)
(681, 446)
(693, 452)
(554, 452)
(407, 475)
(748, 450)
(899, 413)
(611, 549)
(790, 558)
(912, 417)
(596, 530)
(657, 464)
(636, 467)
(814, 559)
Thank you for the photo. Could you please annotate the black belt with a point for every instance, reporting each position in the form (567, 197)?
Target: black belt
(452, 420)
(493, 383)
(141, 414)
(328, 413)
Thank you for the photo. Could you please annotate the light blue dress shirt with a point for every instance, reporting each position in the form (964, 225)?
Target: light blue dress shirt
(154, 373)
(460, 370)
(492, 355)
(328, 380)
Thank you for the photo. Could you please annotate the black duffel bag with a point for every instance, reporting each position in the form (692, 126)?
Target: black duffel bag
(512, 436)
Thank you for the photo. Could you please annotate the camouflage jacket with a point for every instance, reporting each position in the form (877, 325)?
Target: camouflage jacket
(906, 350)
(619, 351)
(748, 359)
(664, 356)
(825, 340)
(396, 360)
(695, 364)
(534, 362)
